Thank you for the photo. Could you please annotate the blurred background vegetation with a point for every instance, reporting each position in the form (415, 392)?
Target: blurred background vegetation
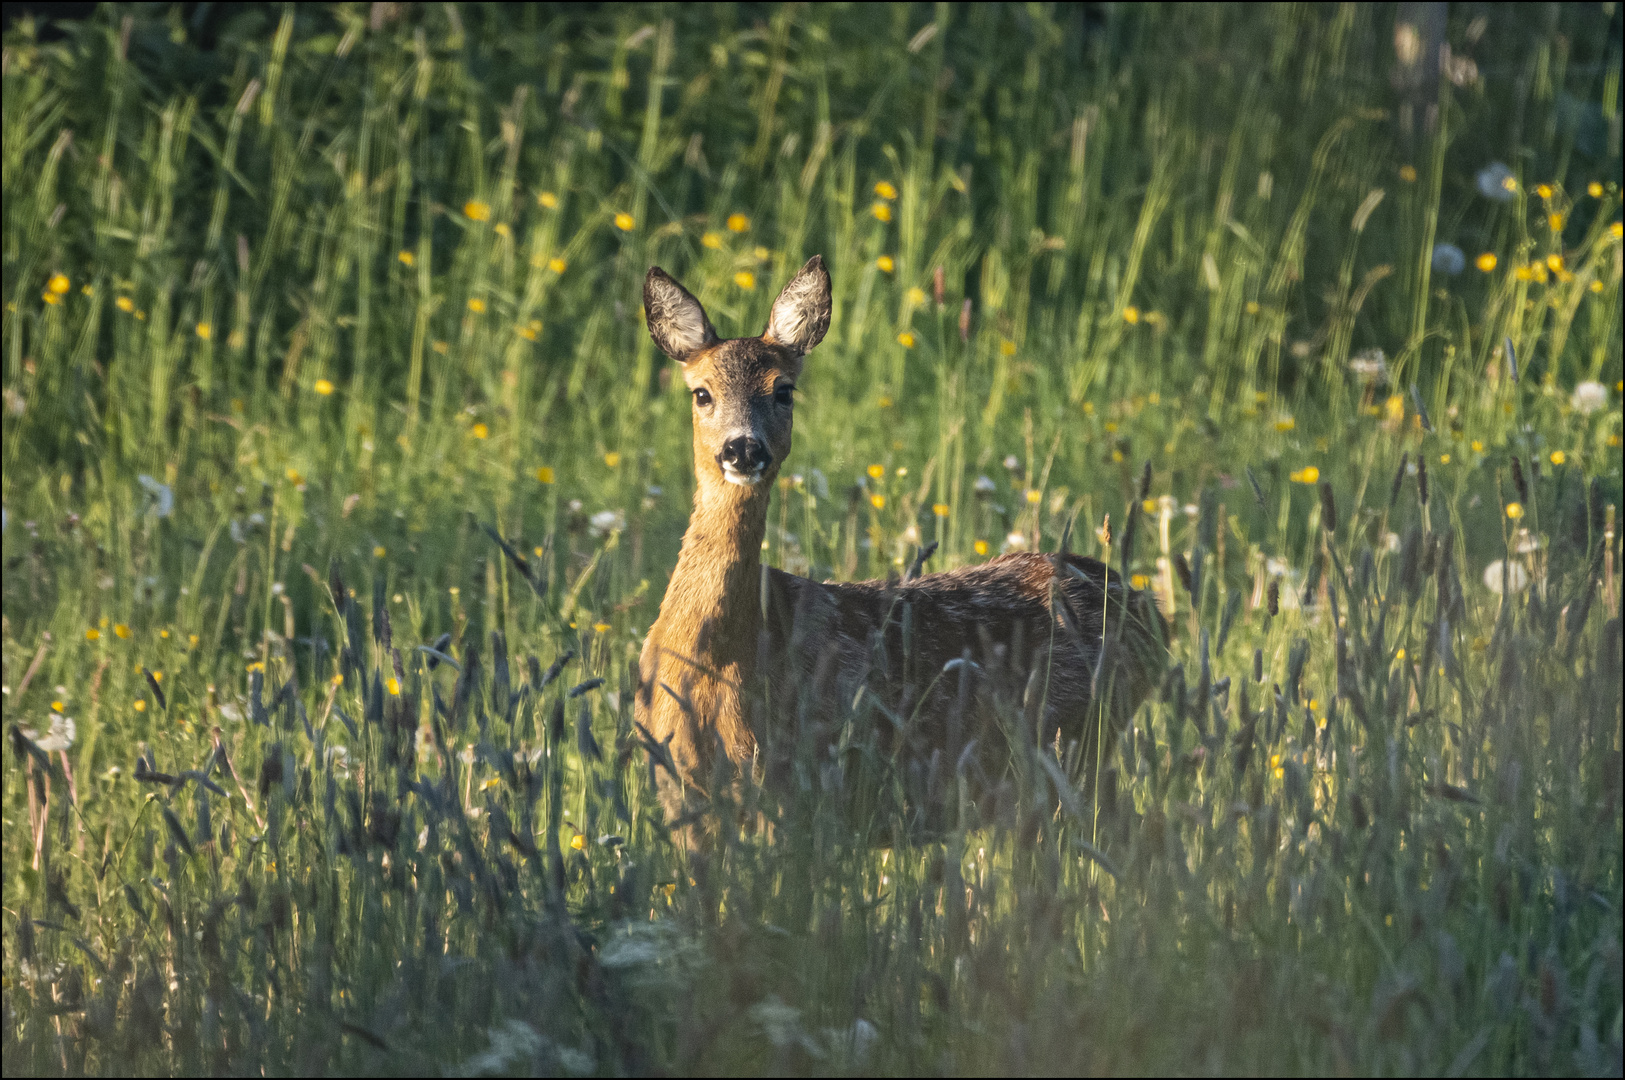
(306, 305)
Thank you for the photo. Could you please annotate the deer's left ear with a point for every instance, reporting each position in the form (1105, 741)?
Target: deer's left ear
(800, 315)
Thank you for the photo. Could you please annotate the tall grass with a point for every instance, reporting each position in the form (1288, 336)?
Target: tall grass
(324, 366)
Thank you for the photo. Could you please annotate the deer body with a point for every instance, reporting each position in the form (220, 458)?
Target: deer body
(743, 659)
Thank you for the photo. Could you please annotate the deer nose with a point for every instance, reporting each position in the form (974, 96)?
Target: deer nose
(745, 454)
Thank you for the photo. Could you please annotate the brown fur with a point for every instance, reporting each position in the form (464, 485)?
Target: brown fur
(740, 662)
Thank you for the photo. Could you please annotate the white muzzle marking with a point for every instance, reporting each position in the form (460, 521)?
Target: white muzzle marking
(735, 475)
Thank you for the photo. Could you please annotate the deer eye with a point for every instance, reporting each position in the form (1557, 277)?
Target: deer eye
(784, 395)
(702, 396)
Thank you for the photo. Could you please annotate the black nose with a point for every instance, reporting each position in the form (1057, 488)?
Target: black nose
(745, 454)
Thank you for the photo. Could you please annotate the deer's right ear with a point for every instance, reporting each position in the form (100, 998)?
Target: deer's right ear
(677, 322)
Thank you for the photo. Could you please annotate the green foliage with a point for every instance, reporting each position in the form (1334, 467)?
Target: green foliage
(324, 365)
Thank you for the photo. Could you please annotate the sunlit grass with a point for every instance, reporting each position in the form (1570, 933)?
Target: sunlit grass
(331, 427)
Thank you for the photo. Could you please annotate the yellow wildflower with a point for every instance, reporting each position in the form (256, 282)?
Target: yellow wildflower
(878, 501)
(204, 331)
(712, 240)
(548, 200)
(601, 627)
(1007, 347)
(738, 222)
(881, 211)
(1486, 262)
(1407, 173)
(1309, 474)
(1252, 307)
(544, 474)
(1594, 189)
(745, 280)
(612, 459)
(476, 210)
(140, 706)
(476, 305)
(1131, 314)
(885, 190)
(120, 630)
(915, 295)
(980, 547)
(1478, 446)
(579, 842)
(379, 551)
(1034, 496)
(886, 264)
(1139, 581)
(393, 685)
(1558, 457)
(1514, 510)
(58, 284)
(93, 634)
(324, 387)
(624, 222)
(1617, 229)
(124, 304)
(1286, 423)
(1543, 190)
(1554, 263)
(939, 509)
(480, 431)
(556, 264)
(906, 339)
(1555, 221)
(407, 258)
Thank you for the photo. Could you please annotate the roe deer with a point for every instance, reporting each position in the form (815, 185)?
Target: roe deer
(742, 658)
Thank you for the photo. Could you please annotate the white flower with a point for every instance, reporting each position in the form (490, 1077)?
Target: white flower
(162, 496)
(1370, 364)
(1012, 462)
(1496, 181)
(1448, 259)
(59, 737)
(1589, 397)
(984, 485)
(1015, 542)
(606, 521)
(1391, 542)
(1501, 575)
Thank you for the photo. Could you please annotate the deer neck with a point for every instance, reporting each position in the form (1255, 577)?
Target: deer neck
(712, 608)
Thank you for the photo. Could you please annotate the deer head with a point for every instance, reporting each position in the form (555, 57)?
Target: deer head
(743, 389)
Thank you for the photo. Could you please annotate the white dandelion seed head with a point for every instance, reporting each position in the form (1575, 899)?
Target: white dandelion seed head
(1448, 259)
(1502, 577)
(1589, 397)
(1496, 181)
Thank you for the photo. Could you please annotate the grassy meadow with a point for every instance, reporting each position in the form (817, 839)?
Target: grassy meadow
(342, 481)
